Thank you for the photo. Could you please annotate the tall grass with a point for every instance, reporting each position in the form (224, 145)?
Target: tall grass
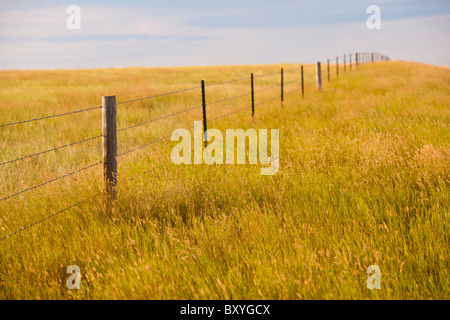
(363, 180)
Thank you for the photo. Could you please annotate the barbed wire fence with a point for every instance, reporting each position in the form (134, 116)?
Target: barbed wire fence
(109, 119)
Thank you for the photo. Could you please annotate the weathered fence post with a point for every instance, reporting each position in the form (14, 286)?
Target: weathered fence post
(303, 86)
(253, 97)
(109, 141)
(328, 69)
(319, 77)
(205, 137)
(356, 60)
(282, 86)
(337, 67)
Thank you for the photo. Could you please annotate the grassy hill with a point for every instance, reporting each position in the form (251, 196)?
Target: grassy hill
(364, 180)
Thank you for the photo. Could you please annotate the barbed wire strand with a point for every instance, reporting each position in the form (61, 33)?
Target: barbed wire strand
(292, 81)
(159, 95)
(42, 220)
(226, 82)
(292, 91)
(227, 99)
(307, 66)
(152, 169)
(49, 181)
(266, 74)
(309, 76)
(48, 117)
(264, 89)
(49, 150)
(152, 142)
(163, 117)
(309, 85)
(265, 101)
(230, 113)
(292, 70)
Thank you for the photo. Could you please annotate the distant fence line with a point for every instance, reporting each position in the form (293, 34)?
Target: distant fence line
(109, 119)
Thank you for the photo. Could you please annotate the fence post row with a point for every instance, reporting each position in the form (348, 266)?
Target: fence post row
(109, 126)
(109, 115)
(205, 137)
(319, 77)
(109, 141)
(253, 96)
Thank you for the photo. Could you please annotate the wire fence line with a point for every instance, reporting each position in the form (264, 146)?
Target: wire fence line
(160, 118)
(301, 86)
(48, 117)
(266, 74)
(50, 181)
(78, 204)
(292, 91)
(226, 82)
(158, 95)
(49, 150)
(268, 88)
(228, 99)
(42, 220)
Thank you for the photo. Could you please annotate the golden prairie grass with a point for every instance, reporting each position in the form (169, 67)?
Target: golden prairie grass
(363, 180)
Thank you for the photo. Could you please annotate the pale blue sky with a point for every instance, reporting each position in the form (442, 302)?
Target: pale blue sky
(33, 34)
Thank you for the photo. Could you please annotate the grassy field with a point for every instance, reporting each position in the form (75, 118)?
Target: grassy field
(364, 180)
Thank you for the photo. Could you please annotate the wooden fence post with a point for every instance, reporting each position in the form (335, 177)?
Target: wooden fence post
(337, 67)
(303, 86)
(205, 137)
(319, 76)
(356, 60)
(109, 140)
(282, 87)
(253, 96)
(328, 69)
